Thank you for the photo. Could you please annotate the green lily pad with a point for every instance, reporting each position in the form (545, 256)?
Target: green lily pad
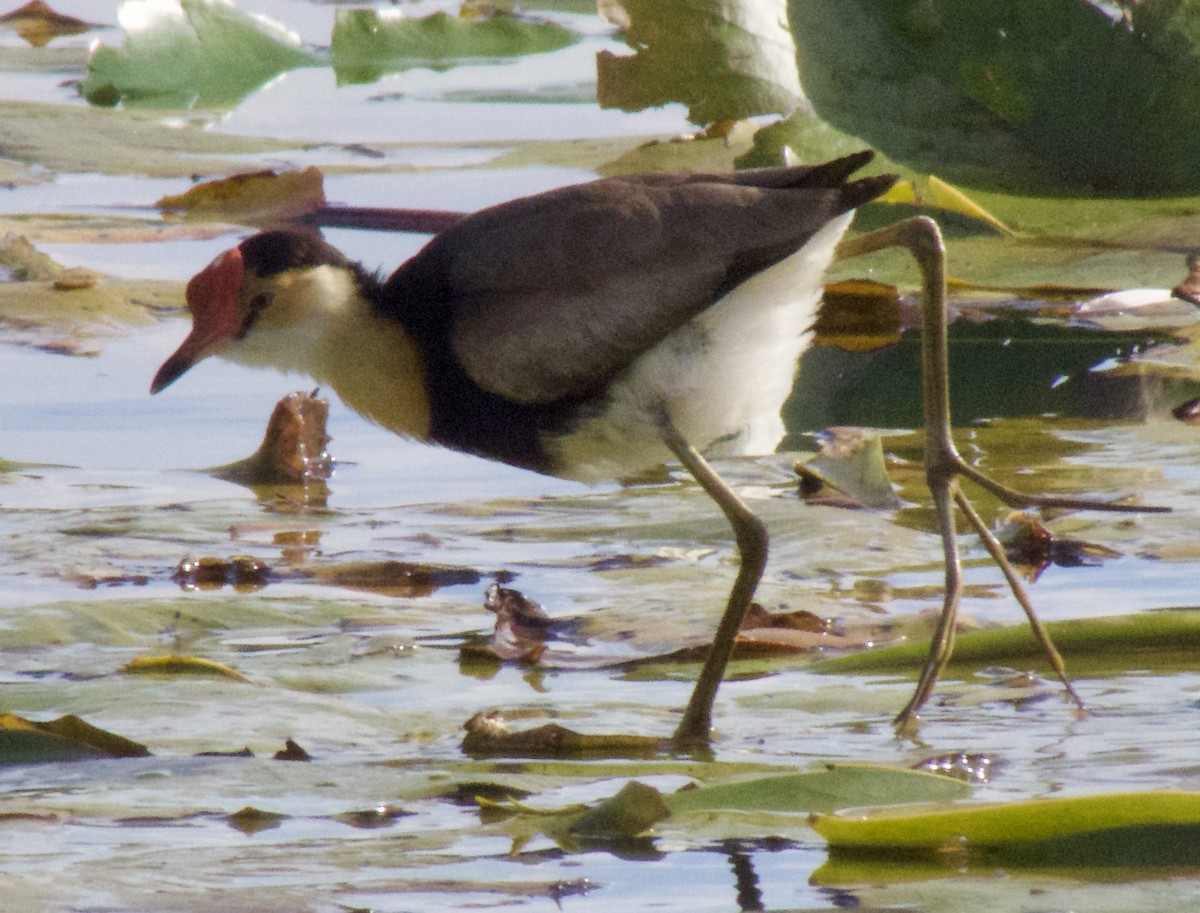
(1154, 640)
(1136, 829)
(1014, 93)
(203, 54)
(67, 738)
(369, 43)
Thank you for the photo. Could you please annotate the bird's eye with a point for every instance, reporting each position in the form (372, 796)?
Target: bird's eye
(258, 304)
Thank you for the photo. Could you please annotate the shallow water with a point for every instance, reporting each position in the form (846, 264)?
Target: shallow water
(105, 504)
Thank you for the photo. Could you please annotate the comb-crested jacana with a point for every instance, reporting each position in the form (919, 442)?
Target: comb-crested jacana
(588, 332)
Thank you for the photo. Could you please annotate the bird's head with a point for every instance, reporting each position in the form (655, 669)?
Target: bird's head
(263, 303)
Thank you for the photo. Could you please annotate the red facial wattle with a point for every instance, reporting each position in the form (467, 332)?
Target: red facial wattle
(212, 298)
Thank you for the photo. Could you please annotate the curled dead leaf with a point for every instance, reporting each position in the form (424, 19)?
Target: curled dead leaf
(291, 751)
(292, 449)
(1033, 548)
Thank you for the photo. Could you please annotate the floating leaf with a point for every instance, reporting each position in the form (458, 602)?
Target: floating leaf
(1141, 828)
(67, 738)
(180, 666)
(68, 312)
(203, 53)
(39, 24)
(1158, 640)
(770, 633)
(123, 141)
(369, 43)
(259, 198)
(851, 459)
(839, 786)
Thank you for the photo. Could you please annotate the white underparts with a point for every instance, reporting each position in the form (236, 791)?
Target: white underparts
(722, 379)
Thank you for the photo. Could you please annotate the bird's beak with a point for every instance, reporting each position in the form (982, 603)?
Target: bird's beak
(212, 297)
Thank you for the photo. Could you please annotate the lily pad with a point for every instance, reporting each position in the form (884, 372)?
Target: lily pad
(68, 738)
(199, 53)
(1136, 829)
(368, 43)
(1148, 640)
(1013, 93)
(175, 666)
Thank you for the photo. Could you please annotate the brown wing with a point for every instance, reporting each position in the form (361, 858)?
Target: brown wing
(546, 297)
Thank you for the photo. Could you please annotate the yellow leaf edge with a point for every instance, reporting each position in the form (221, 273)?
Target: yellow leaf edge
(175, 665)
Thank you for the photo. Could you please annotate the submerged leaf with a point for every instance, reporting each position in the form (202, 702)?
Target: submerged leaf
(631, 812)
(839, 786)
(393, 578)
(1033, 548)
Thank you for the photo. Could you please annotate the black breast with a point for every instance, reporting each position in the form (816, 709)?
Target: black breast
(464, 416)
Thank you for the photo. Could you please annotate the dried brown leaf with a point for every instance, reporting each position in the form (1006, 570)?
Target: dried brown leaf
(256, 198)
(488, 736)
(39, 24)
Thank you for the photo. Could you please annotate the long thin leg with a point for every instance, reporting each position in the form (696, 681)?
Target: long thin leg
(923, 239)
(944, 463)
(751, 535)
